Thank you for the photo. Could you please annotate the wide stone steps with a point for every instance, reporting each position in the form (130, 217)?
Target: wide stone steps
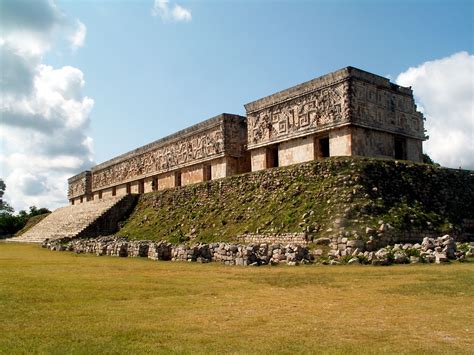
(68, 221)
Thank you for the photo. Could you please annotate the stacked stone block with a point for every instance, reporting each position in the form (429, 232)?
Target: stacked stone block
(431, 250)
(83, 220)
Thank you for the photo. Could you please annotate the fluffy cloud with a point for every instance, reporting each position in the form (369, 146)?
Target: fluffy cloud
(176, 13)
(44, 113)
(444, 91)
(29, 25)
(78, 38)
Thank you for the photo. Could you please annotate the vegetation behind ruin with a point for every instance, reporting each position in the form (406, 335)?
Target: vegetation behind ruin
(320, 198)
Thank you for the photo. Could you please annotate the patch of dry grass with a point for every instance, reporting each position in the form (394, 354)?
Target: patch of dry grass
(59, 302)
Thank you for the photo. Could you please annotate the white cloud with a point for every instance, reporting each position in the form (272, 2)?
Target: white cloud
(160, 8)
(44, 113)
(444, 90)
(79, 36)
(29, 26)
(178, 13)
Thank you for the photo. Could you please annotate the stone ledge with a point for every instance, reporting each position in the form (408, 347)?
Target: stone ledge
(320, 83)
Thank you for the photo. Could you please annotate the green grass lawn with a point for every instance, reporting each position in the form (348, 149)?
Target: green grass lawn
(59, 302)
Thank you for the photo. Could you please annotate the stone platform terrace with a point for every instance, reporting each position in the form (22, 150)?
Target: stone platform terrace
(83, 220)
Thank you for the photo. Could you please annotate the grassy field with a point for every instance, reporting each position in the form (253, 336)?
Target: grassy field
(59, 302)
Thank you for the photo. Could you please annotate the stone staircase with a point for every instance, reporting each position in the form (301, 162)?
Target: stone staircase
(89, 219)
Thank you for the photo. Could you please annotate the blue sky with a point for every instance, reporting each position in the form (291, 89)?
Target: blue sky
(149, 78)
(134, 77)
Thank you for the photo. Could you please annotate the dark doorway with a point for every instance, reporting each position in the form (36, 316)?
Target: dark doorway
(206, 172)
(324, 147)
(272, 157)
(129, 190)
(114, 191)
(400, 148)
(141, 186)
(100, 195)
(154, 184)
(177, 178)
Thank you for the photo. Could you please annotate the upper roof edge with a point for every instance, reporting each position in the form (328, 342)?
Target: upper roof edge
(323, 81)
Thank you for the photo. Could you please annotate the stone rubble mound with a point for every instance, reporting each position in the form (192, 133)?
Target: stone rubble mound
(431, 250)
(437, 250)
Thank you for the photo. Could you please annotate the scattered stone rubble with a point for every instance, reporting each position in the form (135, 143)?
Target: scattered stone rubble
(273, 238)
(431, 250)
(438, 250)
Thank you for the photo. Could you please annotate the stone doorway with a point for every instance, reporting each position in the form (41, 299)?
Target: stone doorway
(321, 148)
(177, 178)
(206, 173)
(141, 186)
(400, 147)
(272, 156)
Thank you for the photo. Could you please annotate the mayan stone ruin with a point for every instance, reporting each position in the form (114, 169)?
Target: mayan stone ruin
(349, 112)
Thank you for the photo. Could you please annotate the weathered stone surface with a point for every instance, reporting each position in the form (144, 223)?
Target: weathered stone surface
(90, 219)
(322, 241)
(283, 238)
(259, 253)
(205, 141)
(345, 113)
(226, 253)
(80, 185)
(359, 113)
(441, 258)
(354, 261)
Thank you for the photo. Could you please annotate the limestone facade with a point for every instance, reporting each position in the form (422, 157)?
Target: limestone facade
(349, 112)
(212, 149)
(79, 187)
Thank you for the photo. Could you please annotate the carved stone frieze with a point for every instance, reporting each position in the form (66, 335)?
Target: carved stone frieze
(305, 114)
(183, 152)
(385, 109)
(79, 185)
(76, 188)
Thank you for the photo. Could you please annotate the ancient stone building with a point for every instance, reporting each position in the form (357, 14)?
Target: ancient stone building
(345, 113)
(349, 112)
(209, 150)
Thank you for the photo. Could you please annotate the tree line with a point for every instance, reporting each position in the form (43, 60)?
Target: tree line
(10, 223)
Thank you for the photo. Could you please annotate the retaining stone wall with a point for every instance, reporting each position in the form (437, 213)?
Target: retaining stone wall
(225, 253)
(281, 238)
(437, 250)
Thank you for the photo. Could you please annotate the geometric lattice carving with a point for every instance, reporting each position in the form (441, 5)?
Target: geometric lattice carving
(307, 113)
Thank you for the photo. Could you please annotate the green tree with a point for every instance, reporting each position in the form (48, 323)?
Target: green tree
(427, 160)
(4, 206)
(10, 223)
(35, 211)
